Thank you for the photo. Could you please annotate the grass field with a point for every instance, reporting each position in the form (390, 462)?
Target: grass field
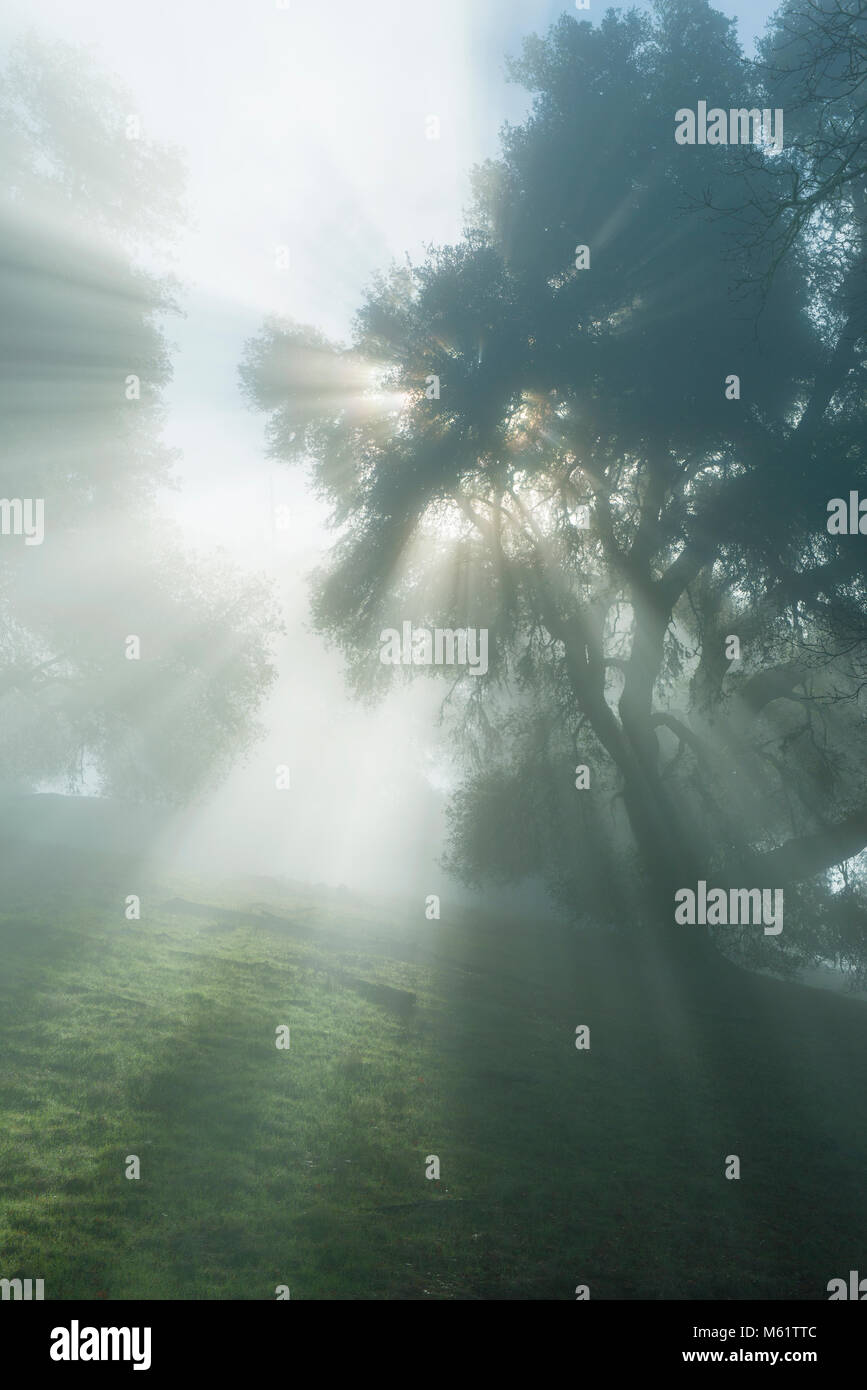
(306, 1167)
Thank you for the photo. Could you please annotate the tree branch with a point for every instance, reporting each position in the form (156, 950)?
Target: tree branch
(776, 683)
(807, 855)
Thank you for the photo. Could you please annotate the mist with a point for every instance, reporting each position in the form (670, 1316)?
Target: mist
(335, 332)
(369, 788)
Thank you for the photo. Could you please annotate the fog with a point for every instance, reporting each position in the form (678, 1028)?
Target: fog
(335, 338)
(301, 127)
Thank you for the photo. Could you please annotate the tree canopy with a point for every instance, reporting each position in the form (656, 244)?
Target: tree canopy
(574, 429)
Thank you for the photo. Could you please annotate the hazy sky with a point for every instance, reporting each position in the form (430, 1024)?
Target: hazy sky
(304, 127)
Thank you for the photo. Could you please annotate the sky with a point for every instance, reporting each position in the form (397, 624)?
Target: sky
(270, 106)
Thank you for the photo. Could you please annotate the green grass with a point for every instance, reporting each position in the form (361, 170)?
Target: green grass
(307, 1167)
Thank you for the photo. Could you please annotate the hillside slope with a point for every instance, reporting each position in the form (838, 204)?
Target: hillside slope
(306, 1167)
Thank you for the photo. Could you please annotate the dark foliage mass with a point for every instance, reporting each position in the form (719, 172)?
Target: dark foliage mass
(587, 489)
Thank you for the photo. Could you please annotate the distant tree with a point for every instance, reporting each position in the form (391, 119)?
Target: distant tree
(595, 488)
(84, 194)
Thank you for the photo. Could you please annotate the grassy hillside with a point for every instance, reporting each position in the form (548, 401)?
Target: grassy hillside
(306, 1167)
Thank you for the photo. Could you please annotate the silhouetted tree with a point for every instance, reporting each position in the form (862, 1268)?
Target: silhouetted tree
(591, 487)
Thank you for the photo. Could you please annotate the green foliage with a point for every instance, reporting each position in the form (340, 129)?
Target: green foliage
(604, 389)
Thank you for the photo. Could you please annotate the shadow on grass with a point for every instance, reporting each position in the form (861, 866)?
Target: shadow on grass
(307, 1167)
(607, 1166)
